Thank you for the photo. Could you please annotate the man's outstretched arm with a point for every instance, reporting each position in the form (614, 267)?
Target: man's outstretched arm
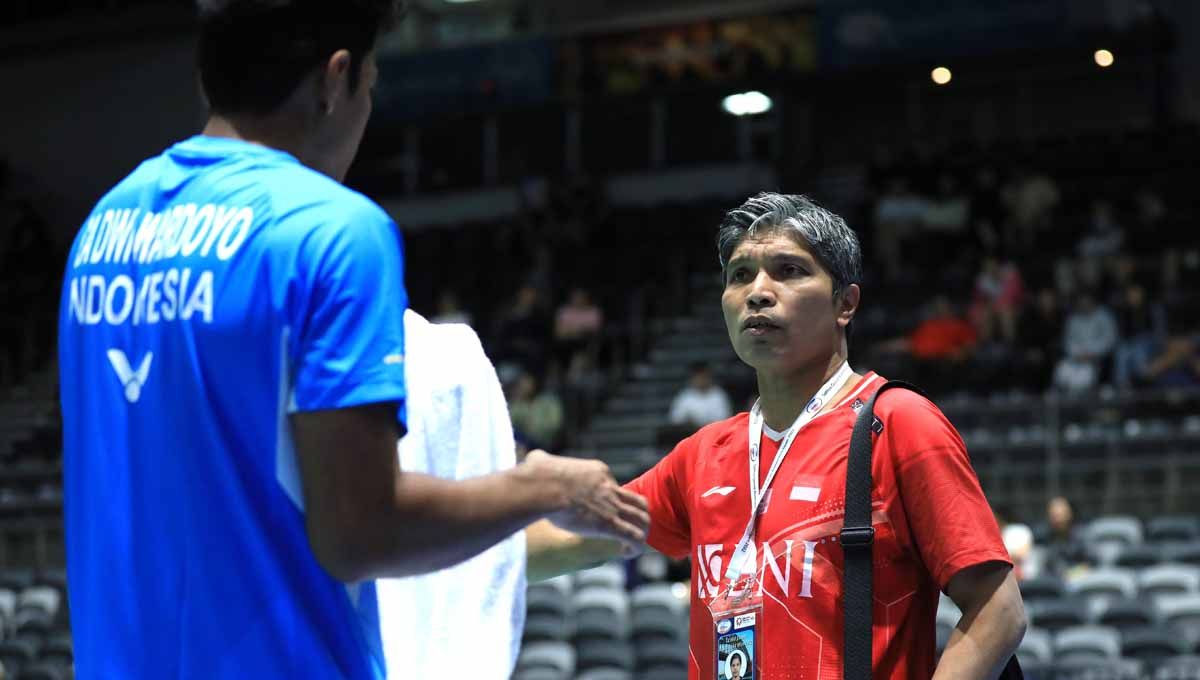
(366, 518)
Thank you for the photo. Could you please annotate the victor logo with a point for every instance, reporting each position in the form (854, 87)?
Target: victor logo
(131, 379)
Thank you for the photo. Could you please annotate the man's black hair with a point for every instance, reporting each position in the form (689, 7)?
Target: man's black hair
(254, 53)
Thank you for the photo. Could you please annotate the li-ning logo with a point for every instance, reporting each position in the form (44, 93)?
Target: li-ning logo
(131, 379)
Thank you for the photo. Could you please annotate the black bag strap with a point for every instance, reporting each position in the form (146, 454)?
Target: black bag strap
(857, 538)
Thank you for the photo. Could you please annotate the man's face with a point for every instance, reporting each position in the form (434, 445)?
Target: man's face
(778, 303)
(735, 667)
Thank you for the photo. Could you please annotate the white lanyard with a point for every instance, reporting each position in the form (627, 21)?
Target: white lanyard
(814, 406)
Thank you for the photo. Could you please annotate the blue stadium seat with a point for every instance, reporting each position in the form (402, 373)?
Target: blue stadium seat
(1055, 615)
(1139, 556)
(1104, 584)
(1041, 588)
(615, 654)
(1121, 529)
(605, 674)
(558, 657)
(609, 576)
(1037, 646)
(1184, 553)
(1086, 643)
(44, 671)
(1182, 614)
(1168, 579)
(1185, 667)
(1175, 528)
(1098, 669)
(1152, 644)
(1126, 614)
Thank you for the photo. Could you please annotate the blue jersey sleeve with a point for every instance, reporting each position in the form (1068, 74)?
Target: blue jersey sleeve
(349, 348)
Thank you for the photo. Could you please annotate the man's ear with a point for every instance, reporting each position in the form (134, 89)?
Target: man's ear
(334, 83)
(847, 302)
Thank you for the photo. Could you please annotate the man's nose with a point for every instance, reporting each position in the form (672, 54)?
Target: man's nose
(761, 294)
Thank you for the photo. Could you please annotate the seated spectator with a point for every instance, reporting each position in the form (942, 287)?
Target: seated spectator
(1177, 364)
(898, 216)
(1143, 328)
(701, 402)
(537, 414)
(1031, 198)
(523, 331)
(940, 344)
(946, 214)
(1104, 236)
(999, 291)
(1063, 547)
(1039, 337)
(577, 325)
(1089, 339)
(448, 310)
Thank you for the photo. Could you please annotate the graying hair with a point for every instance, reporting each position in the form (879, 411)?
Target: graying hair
(832, 242)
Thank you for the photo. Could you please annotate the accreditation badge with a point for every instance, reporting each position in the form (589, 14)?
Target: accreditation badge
(737, 619)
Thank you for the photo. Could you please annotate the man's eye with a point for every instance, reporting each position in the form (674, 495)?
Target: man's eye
(740, 276)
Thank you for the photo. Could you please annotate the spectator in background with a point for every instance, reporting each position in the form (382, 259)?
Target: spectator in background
(1040, 335)
(449, 311)
(523, 331)
(1104, 236)
(1090, 337)
(1031, 198)
(999, 292)
(701, 402)
(1063, 547)
(1177, 364)
(947, 213)
(941, 343)
(898, 217)
(1143, 328)
(577, 326)
(536, 413)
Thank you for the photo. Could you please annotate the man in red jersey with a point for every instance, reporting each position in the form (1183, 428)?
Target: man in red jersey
(791, 271)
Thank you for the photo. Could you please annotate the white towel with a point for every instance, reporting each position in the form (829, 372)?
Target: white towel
(465, 621)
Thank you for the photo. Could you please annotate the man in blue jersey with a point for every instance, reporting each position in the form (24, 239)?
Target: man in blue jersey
(232, 365)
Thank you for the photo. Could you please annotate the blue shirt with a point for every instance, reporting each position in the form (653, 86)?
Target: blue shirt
(217, 289)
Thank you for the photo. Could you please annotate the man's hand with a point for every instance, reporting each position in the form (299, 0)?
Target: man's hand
(593, 503)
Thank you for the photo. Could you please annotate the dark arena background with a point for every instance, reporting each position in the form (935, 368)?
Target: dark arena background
(1023, 175)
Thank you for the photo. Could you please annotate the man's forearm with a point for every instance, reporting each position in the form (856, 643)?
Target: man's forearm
(552, 551)
(436, 523)
(985, 637)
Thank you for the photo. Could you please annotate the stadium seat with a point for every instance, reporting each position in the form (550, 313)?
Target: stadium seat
(1175, 528)
(554, 656)
(1184, 553)
(44, 671)
(45, 598)
(547, 600)
(539, 674)
(1126, 614)
(1041, 588)
(1086, 643)
(33, 621)
(1182, 614)
(1168, 579)
(673, 653)
(1055, 615)
(591, 654)
(1139, 556)
(605, 674)
(8, 604)
(16, 655)
(658, 595)
(1104, 584)
(656, 623)
(1036, 646)
(1186, 667)
(662, 673)
(1098, 669)
(610, 575)
(547, 627)
(58, 649)
(1151, 644)
(16, 580)
(1121, 529)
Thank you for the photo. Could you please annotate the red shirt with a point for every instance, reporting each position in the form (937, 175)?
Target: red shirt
(930, 516)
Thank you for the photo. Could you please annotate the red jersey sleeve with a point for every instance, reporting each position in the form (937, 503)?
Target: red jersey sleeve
(665, 488)
(949, 518)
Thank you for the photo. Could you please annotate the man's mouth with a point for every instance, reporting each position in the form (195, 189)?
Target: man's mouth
(759, 325)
